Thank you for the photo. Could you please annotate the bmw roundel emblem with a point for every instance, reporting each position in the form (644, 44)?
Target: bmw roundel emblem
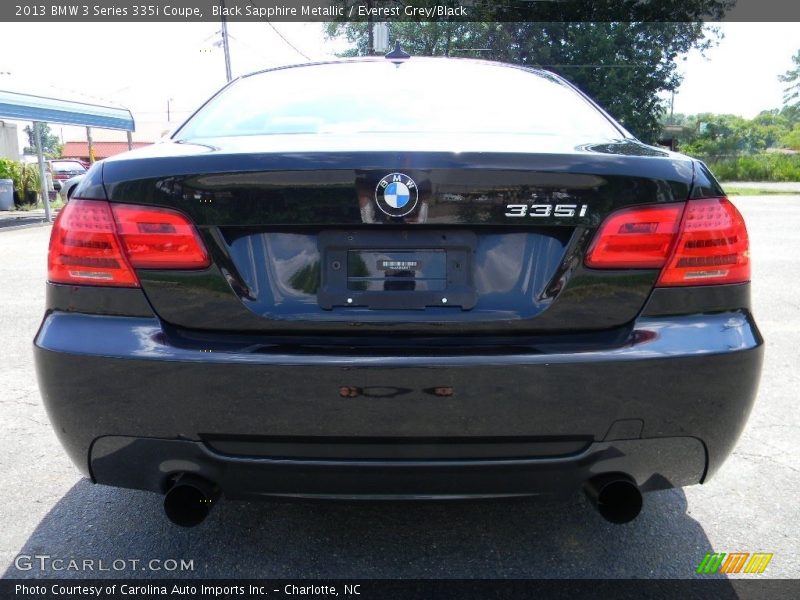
(396, 194)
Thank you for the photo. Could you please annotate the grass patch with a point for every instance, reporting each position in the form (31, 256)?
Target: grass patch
(758, 167)
(26, 207)
(741, 191)
(56, 204)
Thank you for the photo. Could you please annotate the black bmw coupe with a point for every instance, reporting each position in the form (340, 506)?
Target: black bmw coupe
(399, 278)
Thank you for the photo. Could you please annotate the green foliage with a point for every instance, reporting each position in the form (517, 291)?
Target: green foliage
(739, 149)
(712, 137)
(10, 169)
(729, 135)
(30, 180)
(791, 139)
(792, 77)
(24, 176)
(761, 167)
(51, 145)
(624, 66)
(792, 114)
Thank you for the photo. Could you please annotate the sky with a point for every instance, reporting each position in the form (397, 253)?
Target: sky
(148, 67)
(739, 75)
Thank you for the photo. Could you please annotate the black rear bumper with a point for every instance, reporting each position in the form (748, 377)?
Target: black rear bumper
(654, 464)
(132, 409)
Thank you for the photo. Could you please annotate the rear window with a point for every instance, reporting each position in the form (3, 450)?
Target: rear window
(66, 166)
(419, 95)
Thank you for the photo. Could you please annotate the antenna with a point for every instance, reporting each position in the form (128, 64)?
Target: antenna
(397, 55)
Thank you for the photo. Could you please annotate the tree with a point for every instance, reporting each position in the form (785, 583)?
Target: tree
(51, 145)
(715, 136)
(792, 139)
(792, 114)
(624, 66)
(791, 96)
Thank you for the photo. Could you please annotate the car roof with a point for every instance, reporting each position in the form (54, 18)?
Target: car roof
(381, 59)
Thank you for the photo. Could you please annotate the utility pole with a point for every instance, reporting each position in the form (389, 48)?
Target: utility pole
(225, 46)
(90, 143)
(370, 30)
(45, 189)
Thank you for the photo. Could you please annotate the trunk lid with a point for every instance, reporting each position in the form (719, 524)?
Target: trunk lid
(305, 237)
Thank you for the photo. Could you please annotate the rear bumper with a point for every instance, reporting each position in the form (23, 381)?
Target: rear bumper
(654, 464)
(665, 407)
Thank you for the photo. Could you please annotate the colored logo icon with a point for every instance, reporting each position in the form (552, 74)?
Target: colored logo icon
(734, 562)
(396, 194)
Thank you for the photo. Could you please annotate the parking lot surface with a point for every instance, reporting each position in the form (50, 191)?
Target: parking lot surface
(750, 506)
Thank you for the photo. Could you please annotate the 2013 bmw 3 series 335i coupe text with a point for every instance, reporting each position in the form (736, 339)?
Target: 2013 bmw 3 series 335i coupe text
(399, 278)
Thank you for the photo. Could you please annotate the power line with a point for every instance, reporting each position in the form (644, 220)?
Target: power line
(275, 29)
(634, 66)
(253, 49)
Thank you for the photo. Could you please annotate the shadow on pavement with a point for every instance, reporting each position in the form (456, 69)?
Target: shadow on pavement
(518, 538)
(20, 220)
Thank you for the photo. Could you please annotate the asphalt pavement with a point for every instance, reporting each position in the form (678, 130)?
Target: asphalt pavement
(751, 505)
(17, 219)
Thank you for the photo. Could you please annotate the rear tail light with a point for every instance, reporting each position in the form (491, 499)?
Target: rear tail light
(156, 238)
(84, 247)
(95, 243)
(636, 238)
(712, 247)
(702, 242)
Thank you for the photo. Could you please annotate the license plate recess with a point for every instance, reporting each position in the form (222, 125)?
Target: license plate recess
(396, 269)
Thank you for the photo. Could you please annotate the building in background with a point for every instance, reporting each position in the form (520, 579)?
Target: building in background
(80, 150)
(9, 146)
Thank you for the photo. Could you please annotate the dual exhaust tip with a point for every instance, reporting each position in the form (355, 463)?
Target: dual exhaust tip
(190, 498)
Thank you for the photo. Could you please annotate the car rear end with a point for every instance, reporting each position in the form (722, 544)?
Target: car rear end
(399, 313)
(63, 170)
